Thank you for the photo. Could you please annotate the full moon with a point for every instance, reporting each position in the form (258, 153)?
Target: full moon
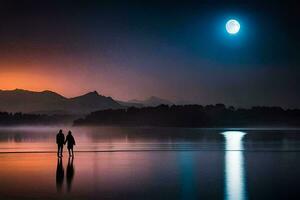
(233, 26)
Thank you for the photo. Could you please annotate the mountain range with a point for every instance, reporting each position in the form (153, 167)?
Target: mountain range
(151, 101)
(48, 102)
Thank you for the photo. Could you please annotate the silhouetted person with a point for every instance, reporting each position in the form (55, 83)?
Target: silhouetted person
(70, 173)
(60, 139)
(70, 143)
(59, 175)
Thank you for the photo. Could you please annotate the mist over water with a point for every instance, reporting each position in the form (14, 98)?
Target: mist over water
(42, 139)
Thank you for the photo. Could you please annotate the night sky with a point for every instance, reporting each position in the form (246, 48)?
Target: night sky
(178, 51)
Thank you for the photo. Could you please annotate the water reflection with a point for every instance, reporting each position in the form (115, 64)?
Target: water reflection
(188, 179)
(234, 166)
(59, 175)
(70, 173)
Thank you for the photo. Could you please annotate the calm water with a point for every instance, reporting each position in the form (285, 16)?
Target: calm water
(151, 163)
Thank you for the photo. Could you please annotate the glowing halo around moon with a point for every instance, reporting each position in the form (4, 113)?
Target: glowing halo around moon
(233, 26)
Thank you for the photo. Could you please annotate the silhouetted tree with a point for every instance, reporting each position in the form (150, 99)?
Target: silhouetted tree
(32, 119)
(194, 116)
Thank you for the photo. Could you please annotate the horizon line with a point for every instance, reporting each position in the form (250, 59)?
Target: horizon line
(128, 101)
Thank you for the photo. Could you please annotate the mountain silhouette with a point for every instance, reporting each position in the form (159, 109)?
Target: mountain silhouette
(91, 101)
(130, 104)
(48, 102)
(152, 101)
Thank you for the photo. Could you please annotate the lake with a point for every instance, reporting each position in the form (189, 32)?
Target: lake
(151, 163)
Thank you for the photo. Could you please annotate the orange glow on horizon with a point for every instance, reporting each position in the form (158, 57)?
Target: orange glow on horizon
(74, 84)
(76, 79)
(10, 81)
(36, 82)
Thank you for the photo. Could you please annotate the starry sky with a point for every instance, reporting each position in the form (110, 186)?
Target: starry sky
(134, 49)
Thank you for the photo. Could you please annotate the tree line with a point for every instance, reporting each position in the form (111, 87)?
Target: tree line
(173, 116)
(19, 118)
(194, 116)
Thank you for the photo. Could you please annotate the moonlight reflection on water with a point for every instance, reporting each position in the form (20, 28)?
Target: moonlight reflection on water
(234, 166)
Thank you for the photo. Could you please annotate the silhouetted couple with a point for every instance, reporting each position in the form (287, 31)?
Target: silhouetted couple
(61, 141)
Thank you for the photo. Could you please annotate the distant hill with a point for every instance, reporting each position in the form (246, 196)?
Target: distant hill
(48, 102)
(92, 101)
(130, 104)
(152, 101)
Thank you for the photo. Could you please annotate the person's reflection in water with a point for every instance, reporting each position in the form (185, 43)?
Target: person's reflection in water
(59, 175)
(70, 173)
